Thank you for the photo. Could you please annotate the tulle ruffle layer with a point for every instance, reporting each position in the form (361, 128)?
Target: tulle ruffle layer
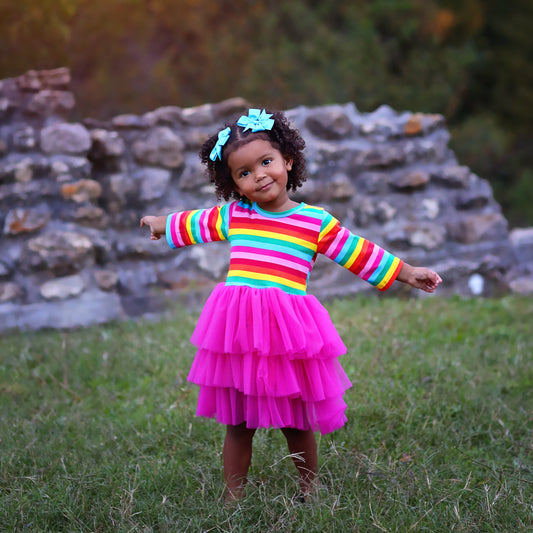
(268, 358)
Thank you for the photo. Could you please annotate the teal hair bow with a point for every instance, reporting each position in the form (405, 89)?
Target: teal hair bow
(256, 121)
(223, 137)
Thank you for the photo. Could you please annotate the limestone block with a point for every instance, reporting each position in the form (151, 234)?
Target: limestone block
(522, 242)
(380, 130)
(194, 139)
(422, 124)
(69, 167)
(162, 147)
(121, 190)
(24, 139)
(27, 193)
(26, 220)
(201, 115)
(81, 191)
(6, 108)
(214, 260)
(91, 307)
(23, 168)
(51, 102)
(10, 291)
(231, 108)
(61, 252)
(164, 116)
(63, 138)
(106, 145)
(384, 212)
(522, 285)
(193, 178)
(330, 123)
(452, 176)
(57, 78)
(340, 189)
(106, 279)
(478, 195)
(6, 269)
(29, 81)
(477, 227)
(62, 288)
(154, 182)
(130, 122)
(91, 216)
(382, 157)
(416, 179)
(426, 235)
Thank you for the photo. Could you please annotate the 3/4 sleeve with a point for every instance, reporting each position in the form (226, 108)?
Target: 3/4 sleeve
(198, 226)
(362, 257)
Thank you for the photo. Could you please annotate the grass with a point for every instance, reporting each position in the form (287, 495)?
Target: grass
(98, 431)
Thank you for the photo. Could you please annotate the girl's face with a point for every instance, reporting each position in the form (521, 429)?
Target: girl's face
(260, 172)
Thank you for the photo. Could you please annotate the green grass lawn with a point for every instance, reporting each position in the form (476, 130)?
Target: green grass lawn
(98, 431)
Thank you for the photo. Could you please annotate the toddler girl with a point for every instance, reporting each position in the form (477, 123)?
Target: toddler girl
(268, 352)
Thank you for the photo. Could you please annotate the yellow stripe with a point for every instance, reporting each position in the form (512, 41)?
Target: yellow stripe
(389, 274)
(355, 254)
(266, 277)
(276, 236)
(189, 225)
(327, 229)
(218, 226)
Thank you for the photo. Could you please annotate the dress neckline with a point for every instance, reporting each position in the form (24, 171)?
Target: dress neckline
(276, 214)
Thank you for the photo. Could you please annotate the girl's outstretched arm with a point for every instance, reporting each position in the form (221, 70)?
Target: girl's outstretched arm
(419, 277)
(157, 226)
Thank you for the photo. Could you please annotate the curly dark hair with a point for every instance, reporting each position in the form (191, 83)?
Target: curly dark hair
(282, 137)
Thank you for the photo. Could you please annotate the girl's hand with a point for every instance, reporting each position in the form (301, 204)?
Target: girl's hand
(419, 277)
(157, 226)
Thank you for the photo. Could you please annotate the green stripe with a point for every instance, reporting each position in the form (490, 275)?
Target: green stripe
(195, 228)
(260, 284)
(343, 259)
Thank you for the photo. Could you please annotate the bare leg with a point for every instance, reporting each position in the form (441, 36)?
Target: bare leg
(302, 444)
(237, 454)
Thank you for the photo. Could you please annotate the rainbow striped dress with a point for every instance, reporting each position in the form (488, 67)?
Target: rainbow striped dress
(267, 351)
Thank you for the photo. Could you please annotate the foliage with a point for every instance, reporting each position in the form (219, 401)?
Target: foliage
(98, 429)
(466, 59)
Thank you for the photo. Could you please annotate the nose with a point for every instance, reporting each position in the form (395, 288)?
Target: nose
(260, 174)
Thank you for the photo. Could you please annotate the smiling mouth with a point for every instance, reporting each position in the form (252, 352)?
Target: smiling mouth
(265, 186)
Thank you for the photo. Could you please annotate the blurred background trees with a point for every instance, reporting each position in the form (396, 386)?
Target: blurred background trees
(467, 59)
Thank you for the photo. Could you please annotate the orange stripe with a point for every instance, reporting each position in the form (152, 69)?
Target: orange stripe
(182, 228)
(362, 258)
(393, 277)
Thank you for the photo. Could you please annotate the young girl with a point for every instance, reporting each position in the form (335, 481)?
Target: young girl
(267, 351)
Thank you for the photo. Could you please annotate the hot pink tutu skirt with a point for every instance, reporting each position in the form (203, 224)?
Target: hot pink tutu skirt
(270, 359)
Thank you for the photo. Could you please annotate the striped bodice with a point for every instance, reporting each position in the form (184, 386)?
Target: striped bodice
(279, 249)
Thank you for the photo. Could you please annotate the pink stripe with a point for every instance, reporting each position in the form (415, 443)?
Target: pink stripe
(271, 253)
(278, 261)
(337, 245)
(176, 238)
(293, 220)
(377, 253)
(313, 221)
(202, 223)
(377, 262)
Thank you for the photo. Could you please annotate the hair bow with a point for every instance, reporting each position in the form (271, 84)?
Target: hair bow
(256, 121)
(223, 137)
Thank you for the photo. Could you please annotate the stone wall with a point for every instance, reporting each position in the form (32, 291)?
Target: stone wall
(72, 193)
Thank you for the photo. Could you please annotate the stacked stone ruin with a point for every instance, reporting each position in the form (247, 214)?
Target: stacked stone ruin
(72, 192)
